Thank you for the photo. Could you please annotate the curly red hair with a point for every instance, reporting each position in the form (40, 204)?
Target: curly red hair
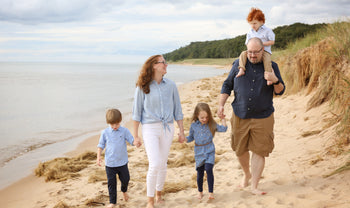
(256, 14)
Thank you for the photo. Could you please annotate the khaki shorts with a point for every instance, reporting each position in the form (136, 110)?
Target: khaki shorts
(254, 135)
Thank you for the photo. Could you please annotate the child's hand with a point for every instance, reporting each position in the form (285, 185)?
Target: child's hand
(98, 162)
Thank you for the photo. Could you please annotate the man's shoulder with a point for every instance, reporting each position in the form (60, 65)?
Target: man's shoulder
(274, 64)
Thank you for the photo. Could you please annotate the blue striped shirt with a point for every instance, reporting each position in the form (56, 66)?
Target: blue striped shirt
(162, 104)
(114, 141)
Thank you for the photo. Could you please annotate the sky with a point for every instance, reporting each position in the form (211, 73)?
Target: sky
(115, 31)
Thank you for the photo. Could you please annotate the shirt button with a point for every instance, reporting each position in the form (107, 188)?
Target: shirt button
(251, 89)
(249, 109)
(253, 80)
(250, 99)
(254, 70)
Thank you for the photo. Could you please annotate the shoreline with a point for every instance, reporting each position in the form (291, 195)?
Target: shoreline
(293, 176)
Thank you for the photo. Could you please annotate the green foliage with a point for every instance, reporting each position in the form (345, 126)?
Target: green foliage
(230, 48)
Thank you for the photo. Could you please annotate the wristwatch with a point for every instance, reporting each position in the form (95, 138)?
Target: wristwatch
(276, 83)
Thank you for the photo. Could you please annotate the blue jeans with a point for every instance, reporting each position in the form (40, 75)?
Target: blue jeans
(210, 177)
(124, 177)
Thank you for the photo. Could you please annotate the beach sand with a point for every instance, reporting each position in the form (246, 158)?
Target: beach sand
(294, 174)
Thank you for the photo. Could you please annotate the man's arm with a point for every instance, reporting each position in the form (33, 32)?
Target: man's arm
(222, 100)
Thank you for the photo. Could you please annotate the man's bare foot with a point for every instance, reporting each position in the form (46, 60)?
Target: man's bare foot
(110, 206)
(200, 195)
(126, 196)
(240, 73)
(258, 192)
(211, 196)
(245, 181)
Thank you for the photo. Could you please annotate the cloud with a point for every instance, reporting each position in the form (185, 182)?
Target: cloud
(310, 12)
(53, 11)
(106, 29)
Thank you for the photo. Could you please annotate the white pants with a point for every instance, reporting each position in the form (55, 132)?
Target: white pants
(157, 141)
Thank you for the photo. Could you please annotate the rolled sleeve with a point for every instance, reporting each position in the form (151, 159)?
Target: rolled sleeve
(227, 86)
(138, 105)
(178, 115)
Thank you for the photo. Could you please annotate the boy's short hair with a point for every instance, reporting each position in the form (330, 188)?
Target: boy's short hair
(113, 116)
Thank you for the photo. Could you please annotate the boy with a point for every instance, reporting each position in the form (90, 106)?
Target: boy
(114, 140)
(256, 19)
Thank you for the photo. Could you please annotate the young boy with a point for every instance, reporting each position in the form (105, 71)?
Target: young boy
(256, 19)
(114, 140)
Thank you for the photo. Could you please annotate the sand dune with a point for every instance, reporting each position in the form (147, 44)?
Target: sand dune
(294, 175)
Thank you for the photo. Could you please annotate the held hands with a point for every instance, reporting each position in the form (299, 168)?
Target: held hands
(137, 142)
(181, 136)
(220, 112)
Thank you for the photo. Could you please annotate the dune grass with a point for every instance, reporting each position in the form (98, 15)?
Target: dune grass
(61, 169)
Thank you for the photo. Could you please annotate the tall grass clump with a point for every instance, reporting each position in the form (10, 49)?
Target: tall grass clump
(319, 63)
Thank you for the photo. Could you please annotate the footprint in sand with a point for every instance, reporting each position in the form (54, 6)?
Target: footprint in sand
(280, 181)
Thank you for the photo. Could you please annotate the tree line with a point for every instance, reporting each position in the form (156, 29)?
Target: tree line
(232, 47)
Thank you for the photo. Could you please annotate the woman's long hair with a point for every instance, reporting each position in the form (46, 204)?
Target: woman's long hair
(211, 122)
(146, 74)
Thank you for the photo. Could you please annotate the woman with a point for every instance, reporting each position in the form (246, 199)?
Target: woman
(156, 106)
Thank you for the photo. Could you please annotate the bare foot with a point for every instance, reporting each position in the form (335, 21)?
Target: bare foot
(110, 206)
(200, 195)
(211, 196)
(258, 192)
(150, 205)
(240, 73)
(126, 196)
(159, 199)
(245, 181)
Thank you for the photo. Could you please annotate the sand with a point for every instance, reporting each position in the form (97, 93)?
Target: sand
(294, 174)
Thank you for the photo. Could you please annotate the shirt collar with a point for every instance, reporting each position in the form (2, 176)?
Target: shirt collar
(112, 130)
(164, 80)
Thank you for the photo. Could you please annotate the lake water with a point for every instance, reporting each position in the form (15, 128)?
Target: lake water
(47, 109)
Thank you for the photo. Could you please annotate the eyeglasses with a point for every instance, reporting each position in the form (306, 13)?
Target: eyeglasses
(254, 52)
(163, 62)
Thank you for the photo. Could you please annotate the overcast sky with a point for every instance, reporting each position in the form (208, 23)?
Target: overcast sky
(132, 30)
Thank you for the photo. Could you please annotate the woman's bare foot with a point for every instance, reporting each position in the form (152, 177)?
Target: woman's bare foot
(245, 181)
(258, 192)
(240, 73)
(110, 206)
(126, 196)
(211, 196)
(159, 199)
(150, 203)
(200, 195)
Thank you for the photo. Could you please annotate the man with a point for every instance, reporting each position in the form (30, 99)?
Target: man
(252, 119)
